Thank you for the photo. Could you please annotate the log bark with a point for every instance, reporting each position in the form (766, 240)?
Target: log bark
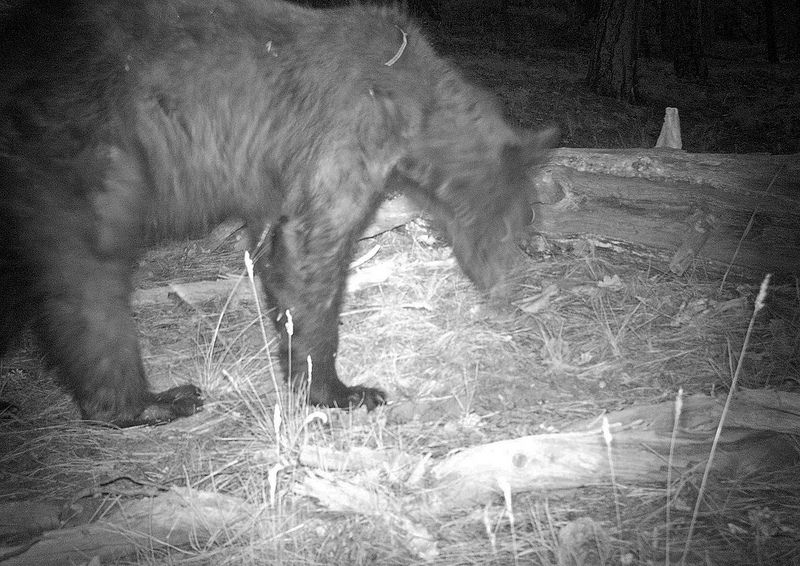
(740, 210)
(667, 205)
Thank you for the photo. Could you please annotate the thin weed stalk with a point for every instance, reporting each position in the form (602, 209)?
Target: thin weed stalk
(670, 460)
(759, 304)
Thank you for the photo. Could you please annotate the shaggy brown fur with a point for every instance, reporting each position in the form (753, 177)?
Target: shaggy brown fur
(124, 120)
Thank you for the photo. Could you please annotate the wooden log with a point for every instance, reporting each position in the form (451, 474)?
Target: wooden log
(656, 197)
(394, 213)
(666, 204)
(344, 496)
(728, 209)
(755, 438)
(199, 292)
(179, 517)
(752, 440)
(27, 517)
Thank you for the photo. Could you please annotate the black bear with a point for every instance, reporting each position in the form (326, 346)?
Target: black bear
(122, 121)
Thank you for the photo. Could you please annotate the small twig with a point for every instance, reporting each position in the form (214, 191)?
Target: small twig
(672, 442)
(506, 489)
(489, 529)
(608, 438)
(748, 228)
(260, 250)
(366, 257)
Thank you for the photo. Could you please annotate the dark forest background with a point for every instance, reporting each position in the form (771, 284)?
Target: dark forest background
(604, 70)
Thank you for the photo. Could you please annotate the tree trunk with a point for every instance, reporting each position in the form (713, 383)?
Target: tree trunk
(667, 28)
(769, 31)
(612, 68)
(587, 10)
(501, 23)
(688, 59)
(794, 38)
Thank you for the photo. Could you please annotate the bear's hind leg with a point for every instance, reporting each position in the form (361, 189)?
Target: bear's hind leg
(79, 249)
(88, 335)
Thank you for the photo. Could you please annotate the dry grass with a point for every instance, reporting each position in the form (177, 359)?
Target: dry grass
(612, 334)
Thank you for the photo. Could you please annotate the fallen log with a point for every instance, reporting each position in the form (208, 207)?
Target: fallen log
(753, 439)
(236, 290)
(179, 517)
(742, 210)
(728, 209)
